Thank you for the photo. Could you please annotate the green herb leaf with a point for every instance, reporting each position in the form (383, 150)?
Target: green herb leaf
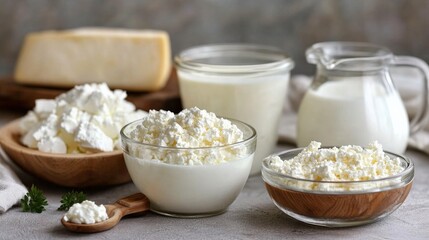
(70, 198)
(34, 201)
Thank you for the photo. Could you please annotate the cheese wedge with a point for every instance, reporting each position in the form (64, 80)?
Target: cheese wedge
(136, 60)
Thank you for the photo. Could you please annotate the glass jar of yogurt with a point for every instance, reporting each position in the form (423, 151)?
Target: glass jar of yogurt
(241, 81)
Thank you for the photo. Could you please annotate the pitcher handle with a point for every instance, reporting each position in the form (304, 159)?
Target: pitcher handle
(408, 61)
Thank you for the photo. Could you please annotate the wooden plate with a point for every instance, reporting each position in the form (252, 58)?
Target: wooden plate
(69, 170)
(23, 97)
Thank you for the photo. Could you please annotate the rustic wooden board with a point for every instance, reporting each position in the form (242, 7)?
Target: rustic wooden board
(22, 97)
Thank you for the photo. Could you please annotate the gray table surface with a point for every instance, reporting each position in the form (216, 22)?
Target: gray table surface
(251, 216)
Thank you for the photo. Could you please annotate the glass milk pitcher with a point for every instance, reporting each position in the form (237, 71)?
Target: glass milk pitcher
(352, 99)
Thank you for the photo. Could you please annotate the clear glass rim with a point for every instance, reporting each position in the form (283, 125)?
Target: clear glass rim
(275, 59)
(248, 139)
(328, 54)
(265, 168)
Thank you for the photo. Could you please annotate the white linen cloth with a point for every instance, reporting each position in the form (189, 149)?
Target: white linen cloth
(408, 81)
(11, 188)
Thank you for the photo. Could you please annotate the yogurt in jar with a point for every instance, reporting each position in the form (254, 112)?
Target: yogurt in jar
(244, 82)
(258, 102)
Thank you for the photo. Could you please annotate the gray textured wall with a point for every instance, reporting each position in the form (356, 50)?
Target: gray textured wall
(293, 25)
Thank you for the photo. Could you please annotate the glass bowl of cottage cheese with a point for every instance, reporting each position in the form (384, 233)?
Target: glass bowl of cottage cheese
(339, 186)
(193, 164)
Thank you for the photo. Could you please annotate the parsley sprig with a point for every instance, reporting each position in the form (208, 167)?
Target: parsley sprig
(34, 201)
(70, 198)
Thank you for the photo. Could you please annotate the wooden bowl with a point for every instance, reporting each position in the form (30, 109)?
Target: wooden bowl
(69, 170)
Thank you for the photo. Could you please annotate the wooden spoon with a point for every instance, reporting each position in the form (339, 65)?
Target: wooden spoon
(136, 203)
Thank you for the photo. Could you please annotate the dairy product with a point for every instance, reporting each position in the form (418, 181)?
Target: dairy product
(347, 163)
(124, 59)
(241, 81)
(257, 101)
(191, 128)
(189, 190)
(343, 164)
(86, 212)
(338, 113)
(88, 118)
(189, 164)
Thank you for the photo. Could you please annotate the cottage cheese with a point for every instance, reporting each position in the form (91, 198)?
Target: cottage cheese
(191, 128)
(88, 118)
(86, 212)
(347, 163)
(188, 164)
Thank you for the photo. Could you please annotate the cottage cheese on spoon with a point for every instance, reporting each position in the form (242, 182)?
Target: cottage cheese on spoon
(86, 212)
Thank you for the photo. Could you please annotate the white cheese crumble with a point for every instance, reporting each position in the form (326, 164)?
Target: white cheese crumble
(88, 118)
(86, 212)
(191, 128)
(347, 163)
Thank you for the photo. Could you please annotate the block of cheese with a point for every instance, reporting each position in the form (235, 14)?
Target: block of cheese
(136, 60)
